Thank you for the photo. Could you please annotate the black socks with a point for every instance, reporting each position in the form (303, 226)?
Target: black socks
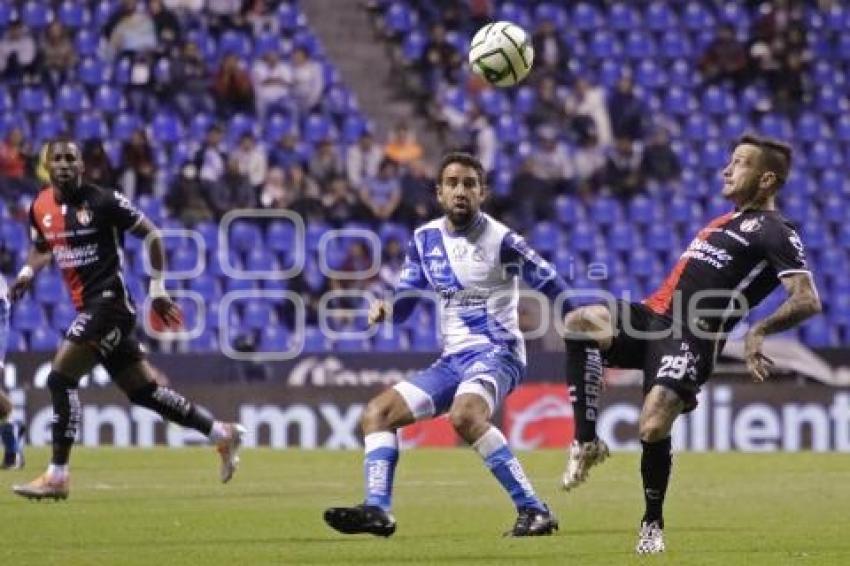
(655, 464)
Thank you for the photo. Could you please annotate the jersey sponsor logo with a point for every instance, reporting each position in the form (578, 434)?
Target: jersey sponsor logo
(435, 252)
(703, 251)
(736, 237)
(84, 216)
(751, 224)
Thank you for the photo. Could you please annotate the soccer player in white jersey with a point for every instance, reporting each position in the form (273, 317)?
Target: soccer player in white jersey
(472, 263)
(13, 457)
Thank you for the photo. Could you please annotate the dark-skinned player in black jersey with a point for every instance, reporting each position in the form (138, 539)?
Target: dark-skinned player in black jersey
(81, 227)
(731, 265)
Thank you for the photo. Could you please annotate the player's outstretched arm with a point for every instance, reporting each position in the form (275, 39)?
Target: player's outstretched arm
(160, 301)
(802, 303)
(36, 261)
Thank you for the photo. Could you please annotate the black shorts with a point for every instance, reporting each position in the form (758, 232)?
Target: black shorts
(672, 356)
(109, 327)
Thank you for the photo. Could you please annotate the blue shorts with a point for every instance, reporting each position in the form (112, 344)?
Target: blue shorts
(491, 372)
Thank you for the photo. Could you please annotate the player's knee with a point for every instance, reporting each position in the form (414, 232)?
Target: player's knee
(653, 430)
(376, 416)
(467, 419)
(5, 407)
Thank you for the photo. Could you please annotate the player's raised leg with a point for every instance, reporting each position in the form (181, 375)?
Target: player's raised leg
(70, 363)
(383, 416)
(139, 384)
(660, 409)
(589, 331)
(470, 416)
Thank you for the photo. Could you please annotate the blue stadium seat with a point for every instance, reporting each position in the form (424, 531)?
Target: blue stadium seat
(91, 125)
(48, 126)
(274, 339)
(71, 98)
(351, 345)
(674, 45)
(244, 236)
(62, 316)
(544, 237)
(623, 17)
(398, 19)
(641, 211)
(639, 46)
(166, 128)
(28, 315)
(697, 17)
(818, 334)
(582, 239)
(13, 235)
(424, 339)
(389, 340)
(257, 314)
(551, 12)
(260, 259)
(659, 17)
(606, 211)
(513, 12)
(316, 128)
(603, 46)
(108, 99)
(314, 340)
(72, 15)
(49, 289)
(94, 72)
(33, 100)
(586, 17)
(231, 285)
(679, 102)
(36, 15)
(44, 340)
(622, 238)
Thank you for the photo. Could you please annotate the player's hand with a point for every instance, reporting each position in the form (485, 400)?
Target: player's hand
(378, 312)
(19, 287)
(757, 363)
(168, 311)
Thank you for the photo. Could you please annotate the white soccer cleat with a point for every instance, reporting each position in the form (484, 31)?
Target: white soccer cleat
(228, 449)
(582, 457)
(650, 538)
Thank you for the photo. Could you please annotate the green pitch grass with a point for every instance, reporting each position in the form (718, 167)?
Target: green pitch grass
(162, 507)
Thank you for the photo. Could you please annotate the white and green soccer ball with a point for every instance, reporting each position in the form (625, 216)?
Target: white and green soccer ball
(501, 52)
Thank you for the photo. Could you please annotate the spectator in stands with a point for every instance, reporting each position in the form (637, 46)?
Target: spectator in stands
(529, 199)
(134, 33)
(251, 159)
(232, 191)
(225, 15)
(272, 79)
(586, 105)
(276, 193)
(623, 174)
(308, 193)
(660, 162)
(98, 168)
(141, 85)
(286, 153)
(209, 158)
(186, 199)
(232, 87)
(125, 10)
(548, 106)
(261, 18)
(725, 58)
(308, 80)
(166, 23)
(340, 202)
(440, 60)
(326, 163)
(482, 137)
(58, 55)
(549, 56)
(363, 159)
(139, 166)
(392, 262)
(190, 83)
(589, 161)
(628, 112)
(419, 203)
(402, 146)
(551, 163)
(17, 52)
(382, 194)
(14, 154)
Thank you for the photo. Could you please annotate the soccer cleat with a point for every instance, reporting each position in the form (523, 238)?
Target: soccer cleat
(582, 457)
(44, 487)
(650, 538)
(361, 519)
(228, 449)
(533, 522)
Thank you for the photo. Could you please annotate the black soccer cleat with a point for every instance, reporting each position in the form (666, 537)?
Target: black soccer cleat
(360, 519)
(533, 522)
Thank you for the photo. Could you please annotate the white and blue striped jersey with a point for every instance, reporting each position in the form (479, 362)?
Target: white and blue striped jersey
(5, 312)
(475, 275)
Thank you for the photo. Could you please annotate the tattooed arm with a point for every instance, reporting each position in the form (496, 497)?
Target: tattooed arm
(802, 303)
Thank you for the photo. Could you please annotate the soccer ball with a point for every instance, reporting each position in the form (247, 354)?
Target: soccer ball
(501, 53)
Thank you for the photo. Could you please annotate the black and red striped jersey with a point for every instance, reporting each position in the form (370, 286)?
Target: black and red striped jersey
(733, 263)
(86, 239)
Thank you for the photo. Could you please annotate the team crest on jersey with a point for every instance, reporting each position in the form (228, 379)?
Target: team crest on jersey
(751, 225)
(84, 216)
(47, 220)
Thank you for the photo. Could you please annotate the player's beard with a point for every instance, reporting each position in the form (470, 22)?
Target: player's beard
(68, 187)
(461, 218)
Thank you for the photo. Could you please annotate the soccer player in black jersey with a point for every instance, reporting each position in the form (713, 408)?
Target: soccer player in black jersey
(732, 264)
(81, 226)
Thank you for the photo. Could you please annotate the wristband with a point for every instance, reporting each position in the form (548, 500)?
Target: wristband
(26, 272)
(156, 289)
